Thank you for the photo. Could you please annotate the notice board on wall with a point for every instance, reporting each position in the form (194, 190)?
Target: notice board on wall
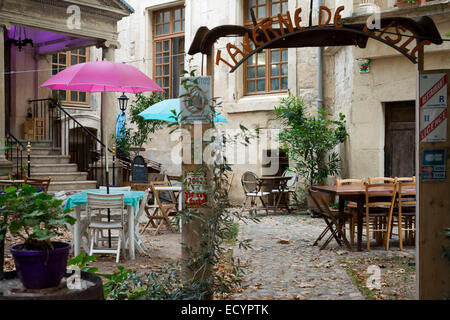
(433, 107)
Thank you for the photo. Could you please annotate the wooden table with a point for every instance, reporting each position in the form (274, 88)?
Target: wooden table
(355, 193)
(269, 183)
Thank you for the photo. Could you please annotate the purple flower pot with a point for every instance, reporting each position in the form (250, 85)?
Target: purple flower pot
(39, 269)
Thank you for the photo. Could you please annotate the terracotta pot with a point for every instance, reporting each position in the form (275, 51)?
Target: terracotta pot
(404, 4)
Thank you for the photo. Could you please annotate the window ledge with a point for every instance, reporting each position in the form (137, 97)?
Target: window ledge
(429, 8)
(264, 102)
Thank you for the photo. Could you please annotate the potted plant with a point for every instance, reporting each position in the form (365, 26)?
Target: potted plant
(309, 141)
(36, 218)
(409, 3)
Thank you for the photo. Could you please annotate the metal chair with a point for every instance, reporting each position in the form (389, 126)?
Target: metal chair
(127, 188)
(252, 189)
(289, 186)
(105, 201)
(138, 241)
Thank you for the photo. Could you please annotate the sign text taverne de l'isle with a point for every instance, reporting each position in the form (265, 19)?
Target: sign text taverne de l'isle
(263, 34)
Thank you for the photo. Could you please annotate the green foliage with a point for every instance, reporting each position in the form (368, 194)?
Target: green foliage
(140, 131)
(159, 284)
(216, 222)
(33, 216)
(208, 270)
(309, 140)
(81, 262)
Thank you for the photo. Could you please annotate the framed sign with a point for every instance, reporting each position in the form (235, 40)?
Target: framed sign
(433, 107)
(139, 170)
(195, 94)
(195, 190)
(433, 165)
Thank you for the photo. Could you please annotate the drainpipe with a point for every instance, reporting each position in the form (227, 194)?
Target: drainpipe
(319, 70)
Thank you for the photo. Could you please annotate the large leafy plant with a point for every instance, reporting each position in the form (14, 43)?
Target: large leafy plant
(34, 216)
(310, 140)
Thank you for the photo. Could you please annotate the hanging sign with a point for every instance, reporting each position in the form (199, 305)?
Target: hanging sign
(433, 165)
(264, 33)
(196, 193)
(433, 107)
(195, 94)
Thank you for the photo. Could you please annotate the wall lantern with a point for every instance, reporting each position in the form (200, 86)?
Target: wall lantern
(123, 102)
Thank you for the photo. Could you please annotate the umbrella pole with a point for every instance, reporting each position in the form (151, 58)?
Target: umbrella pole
(107, 183)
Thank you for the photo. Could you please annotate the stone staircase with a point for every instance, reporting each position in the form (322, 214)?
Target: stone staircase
(48, 162)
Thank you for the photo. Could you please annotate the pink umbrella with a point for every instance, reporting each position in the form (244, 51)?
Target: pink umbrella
(102, 76)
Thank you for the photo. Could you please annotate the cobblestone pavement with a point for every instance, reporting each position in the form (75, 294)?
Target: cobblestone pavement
(283, 264)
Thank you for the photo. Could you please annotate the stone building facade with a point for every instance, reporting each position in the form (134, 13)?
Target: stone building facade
(249, 98)
(62, 33)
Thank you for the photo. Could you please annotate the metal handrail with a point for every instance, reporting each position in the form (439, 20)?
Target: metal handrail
(73, 119)
(15, 139)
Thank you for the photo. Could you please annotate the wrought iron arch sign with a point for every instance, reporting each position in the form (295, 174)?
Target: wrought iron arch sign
(262, 36)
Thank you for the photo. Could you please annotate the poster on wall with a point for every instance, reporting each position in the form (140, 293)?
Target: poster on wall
(195, 193)
(433, 107)
(195, 94)
(433, 165)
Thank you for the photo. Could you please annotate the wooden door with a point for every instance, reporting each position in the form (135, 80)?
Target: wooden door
(399, 148)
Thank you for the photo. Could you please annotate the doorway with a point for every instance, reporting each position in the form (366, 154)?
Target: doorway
(399, 148)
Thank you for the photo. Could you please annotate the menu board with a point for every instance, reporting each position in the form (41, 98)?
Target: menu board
(433, 107)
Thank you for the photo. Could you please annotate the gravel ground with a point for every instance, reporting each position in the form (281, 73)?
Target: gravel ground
(283, 264)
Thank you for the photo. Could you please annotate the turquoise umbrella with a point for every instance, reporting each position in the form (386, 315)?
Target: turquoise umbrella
(163, 111)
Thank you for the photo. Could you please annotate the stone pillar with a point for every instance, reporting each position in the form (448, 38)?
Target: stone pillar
(109, 103)
(5, 165)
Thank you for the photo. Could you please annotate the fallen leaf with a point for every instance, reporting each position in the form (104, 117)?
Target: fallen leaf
(306, 285)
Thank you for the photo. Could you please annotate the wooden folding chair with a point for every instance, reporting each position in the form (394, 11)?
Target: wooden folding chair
(335, 220)
(150, 207)
(40, 184)
(165, 209)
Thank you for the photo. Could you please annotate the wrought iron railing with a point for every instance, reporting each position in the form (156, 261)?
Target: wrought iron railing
(14, 152)
(83, 146)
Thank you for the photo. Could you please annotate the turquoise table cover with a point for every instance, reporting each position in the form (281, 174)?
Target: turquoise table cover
(131, 198)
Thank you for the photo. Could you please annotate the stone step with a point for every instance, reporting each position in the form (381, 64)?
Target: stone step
(37, 143)
(72, 185)
(46, 159)
(61, 176)
(53, 168)
(40, 151)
